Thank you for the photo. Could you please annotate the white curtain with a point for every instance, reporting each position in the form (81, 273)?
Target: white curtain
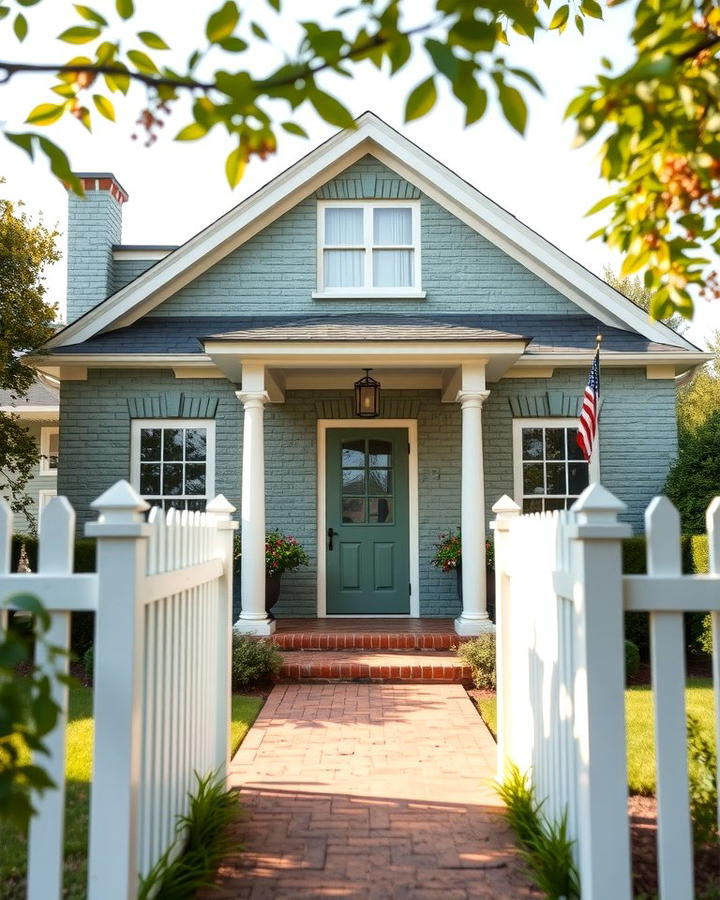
(344, 227)
(344, 268)
(392, 227)
(392, 268)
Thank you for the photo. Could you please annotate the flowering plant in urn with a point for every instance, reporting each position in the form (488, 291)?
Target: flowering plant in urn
(282, 553)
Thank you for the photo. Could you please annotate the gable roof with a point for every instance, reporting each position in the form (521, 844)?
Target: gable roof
(375, 137)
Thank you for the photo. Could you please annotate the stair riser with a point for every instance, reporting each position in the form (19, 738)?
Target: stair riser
(362, 672)
(330, 641)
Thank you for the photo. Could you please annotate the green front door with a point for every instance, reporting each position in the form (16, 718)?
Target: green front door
(366, 541)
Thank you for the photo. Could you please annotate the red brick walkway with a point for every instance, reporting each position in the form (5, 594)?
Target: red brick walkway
(370, 791)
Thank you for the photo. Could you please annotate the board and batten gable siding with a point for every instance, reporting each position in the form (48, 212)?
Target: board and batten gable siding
(276, 269)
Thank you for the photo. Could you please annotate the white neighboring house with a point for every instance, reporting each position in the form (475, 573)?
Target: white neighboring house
(39, 410)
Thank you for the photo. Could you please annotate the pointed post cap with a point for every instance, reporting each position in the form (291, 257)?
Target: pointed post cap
(119, 507)
(506, 506)
(662, 527)
(220, 504)
(598, 508)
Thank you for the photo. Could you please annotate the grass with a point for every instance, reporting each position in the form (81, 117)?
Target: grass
(640, 732)
(78, 768)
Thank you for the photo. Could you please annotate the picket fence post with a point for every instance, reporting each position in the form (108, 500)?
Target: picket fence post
(119, 637)
(56, 552)
(506, 510)
(599, 695)
(221, 509)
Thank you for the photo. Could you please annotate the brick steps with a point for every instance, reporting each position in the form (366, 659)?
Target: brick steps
(439, 667)
(359, 640)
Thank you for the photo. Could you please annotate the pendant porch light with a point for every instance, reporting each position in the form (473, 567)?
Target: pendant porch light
(367, 397)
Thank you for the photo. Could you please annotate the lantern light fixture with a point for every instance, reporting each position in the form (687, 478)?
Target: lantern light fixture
(367, 397)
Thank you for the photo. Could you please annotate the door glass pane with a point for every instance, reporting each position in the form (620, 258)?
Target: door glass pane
(392, 226)
(380, 453)
(532, 443)
(556, 478)
(344, 268)
(555, 443)
(353, 453)
(150, 444)
(172, 443)
(344, 227)
(578, 476)
(195, 442)
(380, 481)
(353, 510)
(381, 510)
(533, 482)
(150, 478)
(574, 452)
(172, 478)
(392, 268)
(195, 478)
(353, 481)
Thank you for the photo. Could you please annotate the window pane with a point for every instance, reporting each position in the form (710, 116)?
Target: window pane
(195, 478)
(344, 226)
(172, 443)
(150, 478)
(554, 503)
(556, 478)
(353, 511)
(344, 268)
(173, 504)
(353, 453)
(392, 268)
(381, 511)
(353, 481)
(574, 452)
(579, 478)
(532, 443)
(380, 481)
(555, 443)
(533, 481)
(195, 441)
(392, 226)
(150, 443)
(172, 479)
(380, 453)
(530, 505)
(53, 446)
(196, 504)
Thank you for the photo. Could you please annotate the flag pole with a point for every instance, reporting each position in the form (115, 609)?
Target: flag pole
(598, 340)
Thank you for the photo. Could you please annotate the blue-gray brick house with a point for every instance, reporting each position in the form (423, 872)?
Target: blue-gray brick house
(227, 366)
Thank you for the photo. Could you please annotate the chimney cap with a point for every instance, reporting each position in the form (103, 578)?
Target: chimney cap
(103, 181)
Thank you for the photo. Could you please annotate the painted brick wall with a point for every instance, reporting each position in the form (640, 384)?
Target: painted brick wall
(94, 225)
(276, 271)
(38, 483)
(126, 270)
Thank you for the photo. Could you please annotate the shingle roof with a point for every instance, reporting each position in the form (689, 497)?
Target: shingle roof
(37, 395)
(545, 333)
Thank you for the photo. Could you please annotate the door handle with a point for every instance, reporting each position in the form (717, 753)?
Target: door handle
(331, 534)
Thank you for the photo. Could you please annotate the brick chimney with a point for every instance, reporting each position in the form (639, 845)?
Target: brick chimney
(94, 226)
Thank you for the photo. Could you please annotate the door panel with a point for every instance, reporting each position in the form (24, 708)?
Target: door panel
(368, 569)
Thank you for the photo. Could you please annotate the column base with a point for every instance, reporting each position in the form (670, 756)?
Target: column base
(472, 627)
(261, 627)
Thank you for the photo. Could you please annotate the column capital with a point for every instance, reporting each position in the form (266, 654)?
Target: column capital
(472, 399)
(253, 399)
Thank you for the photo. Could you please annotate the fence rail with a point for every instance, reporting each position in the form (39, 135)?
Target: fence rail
(561, 599)
(162, 595)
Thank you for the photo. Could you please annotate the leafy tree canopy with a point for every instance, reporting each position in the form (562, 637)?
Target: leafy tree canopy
(693, 480)
(634, 289)
(700, 398)
(659, 118)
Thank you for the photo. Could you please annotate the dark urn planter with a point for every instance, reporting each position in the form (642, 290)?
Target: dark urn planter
(272, 593)
(489, 590)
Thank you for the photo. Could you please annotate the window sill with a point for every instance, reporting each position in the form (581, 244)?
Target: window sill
(369, 295)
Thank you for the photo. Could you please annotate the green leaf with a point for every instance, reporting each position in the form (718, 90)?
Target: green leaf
(421, 100)
(233, 45)
(294, 128)
(104, 106)
(443, 58)
(118, 82)
(20, 27)
(79, 34)
(4, 11)
(23, 140)
(580, 24)
(150, 39)
(192, 132)
(60, 165)
(46, 114)
(591, 8)
(559, 20)
(601, 204)
(64, 90)
(513, 107)
(275, 5)
(142, 62)
(330, 109)
(221, 24)
(125, 8)
(258, 31)
(90, 14)
(235, 166)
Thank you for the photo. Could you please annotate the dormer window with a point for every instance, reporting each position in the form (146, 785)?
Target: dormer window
(369, 248)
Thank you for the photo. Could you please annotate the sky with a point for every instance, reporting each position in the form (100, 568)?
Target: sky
(176, 189)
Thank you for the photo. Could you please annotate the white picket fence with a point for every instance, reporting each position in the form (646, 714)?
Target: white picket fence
(162, 595)
(560, 601)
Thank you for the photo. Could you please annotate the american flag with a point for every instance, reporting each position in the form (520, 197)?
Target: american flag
(587, 427)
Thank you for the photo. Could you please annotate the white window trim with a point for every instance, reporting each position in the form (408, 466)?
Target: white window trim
(138, 424)
(45, 433)
(546, 422)
(408, 293)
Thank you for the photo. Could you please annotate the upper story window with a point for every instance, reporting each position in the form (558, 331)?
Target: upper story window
(173, 461)
(549, 469)
(49, 449)
(369, 248)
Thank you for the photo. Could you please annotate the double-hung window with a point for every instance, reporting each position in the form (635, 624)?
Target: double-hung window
(49, 449)
(369, 248)
(173, 461)
(549, 469)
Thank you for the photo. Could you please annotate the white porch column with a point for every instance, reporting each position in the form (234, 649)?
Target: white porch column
(474, 617)
(253, 618)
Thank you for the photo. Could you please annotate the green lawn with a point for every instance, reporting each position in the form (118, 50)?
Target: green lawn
(639, 719)
(78, 768)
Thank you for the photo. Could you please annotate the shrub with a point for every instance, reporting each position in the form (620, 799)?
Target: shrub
(253, 660)
(693, 479)
(480, 654)
(88, 659)
(632, 659)
(703, 788)
(705, 642)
